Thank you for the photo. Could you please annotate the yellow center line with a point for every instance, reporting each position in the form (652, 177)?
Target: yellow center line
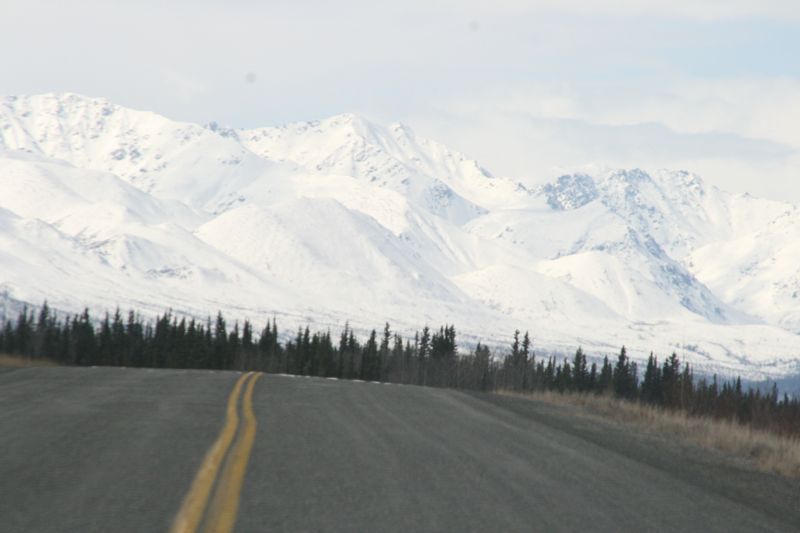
(191, 512)
(222, 514)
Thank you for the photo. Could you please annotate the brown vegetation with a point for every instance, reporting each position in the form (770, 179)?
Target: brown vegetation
(765, 450)
(16, 361)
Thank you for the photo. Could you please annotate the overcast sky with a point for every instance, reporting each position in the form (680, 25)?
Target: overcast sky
(530, 89)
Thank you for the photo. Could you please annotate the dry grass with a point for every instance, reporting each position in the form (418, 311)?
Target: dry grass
(15, 361)
(764, 450)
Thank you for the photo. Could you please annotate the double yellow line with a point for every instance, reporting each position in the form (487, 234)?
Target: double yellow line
(219, 515)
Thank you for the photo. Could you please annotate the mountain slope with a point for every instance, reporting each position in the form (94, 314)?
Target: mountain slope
(346, 220)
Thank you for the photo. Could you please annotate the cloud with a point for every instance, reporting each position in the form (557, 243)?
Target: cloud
(767, 108)
(549, 132)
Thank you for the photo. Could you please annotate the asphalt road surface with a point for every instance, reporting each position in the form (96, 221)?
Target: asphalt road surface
(131, 450)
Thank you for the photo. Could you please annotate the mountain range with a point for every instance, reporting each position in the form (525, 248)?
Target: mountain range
(345, 220)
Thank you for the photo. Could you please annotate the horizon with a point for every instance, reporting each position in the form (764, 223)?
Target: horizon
(530, 91)
(594, 171)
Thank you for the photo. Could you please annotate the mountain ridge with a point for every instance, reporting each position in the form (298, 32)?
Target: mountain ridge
(342, 219)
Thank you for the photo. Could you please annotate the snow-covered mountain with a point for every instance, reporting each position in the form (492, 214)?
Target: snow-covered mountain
(346, 220)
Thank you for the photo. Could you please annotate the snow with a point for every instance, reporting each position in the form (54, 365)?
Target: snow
(344, 220)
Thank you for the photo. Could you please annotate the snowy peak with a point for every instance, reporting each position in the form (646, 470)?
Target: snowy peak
(147, 150)
(74, 128)
(440, 180)
(625, 188)
(325, 146)
(676, 208)
(352, 145)
(570, 192)
(166, 158)
(636, 191)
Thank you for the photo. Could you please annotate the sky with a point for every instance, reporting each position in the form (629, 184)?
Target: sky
(530, 89)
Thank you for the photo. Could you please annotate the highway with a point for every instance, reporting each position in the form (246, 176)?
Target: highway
(137, 450)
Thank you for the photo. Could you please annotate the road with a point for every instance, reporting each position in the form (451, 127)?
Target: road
(134, 450)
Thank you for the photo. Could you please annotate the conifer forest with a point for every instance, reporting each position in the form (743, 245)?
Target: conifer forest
(431, 357)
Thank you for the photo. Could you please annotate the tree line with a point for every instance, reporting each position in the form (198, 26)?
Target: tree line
(431, 357)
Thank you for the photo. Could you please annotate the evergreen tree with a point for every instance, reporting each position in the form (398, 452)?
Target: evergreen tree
(651, 387)
(579, 371)
(606, 378)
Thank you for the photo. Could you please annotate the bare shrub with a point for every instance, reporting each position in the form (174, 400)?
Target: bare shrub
(764, 450)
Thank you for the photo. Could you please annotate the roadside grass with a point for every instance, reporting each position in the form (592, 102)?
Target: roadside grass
(16, 361)
(764, 450)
